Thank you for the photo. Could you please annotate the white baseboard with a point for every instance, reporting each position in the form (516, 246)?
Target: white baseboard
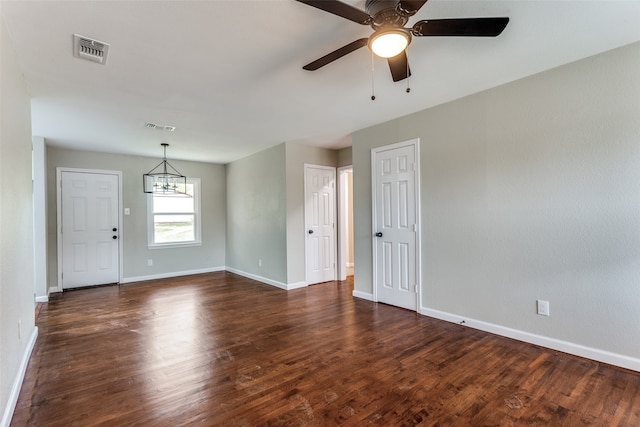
(296, 285)
(285, 286)
(42, 299)
(552, 343)
(17, 383)
(171, 274)
(362, 295)
(259, 278)
(202, 271)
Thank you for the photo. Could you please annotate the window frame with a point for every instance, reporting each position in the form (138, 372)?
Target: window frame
(151, 244)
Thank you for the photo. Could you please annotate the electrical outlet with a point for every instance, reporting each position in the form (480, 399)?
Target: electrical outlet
(260, 263)
(543, 307)
(149, 262)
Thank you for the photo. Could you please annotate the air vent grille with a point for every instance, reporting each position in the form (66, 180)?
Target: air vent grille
(89, 49)
(159, 127)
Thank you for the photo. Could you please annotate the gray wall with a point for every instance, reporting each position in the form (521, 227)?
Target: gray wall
(296, 157)
(344, 157)
(134, 228)
(529, 190)
(40, 217)
(265, 207)
(256, 212)
(16, 220)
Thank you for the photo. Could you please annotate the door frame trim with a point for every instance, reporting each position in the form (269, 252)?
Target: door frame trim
(342, 219)
(59, 171)
(416, 146)
(304, 219)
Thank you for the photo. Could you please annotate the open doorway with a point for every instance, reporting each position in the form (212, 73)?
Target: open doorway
(345, 222)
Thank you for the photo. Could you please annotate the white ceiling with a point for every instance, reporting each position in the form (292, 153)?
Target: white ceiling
(228, 74)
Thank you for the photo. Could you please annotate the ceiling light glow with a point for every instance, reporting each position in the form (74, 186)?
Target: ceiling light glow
(389, 43)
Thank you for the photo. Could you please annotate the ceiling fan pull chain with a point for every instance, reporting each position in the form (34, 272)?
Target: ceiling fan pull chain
(408, 76)
(373, 93)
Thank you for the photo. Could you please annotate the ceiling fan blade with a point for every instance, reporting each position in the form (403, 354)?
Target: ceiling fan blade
(336, 54)
(399, 66)
(465, 27)
(340, 9)
(410, 7)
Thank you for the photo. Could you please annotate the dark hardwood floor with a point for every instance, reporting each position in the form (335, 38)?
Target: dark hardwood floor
(221, 350)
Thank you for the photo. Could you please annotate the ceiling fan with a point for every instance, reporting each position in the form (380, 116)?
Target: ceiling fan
(390, 38)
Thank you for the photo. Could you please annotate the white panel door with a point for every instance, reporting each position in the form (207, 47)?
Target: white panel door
(320, 228)
(395, 225)
(90, 229)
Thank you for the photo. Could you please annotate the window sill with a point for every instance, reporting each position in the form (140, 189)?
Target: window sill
(173, 245)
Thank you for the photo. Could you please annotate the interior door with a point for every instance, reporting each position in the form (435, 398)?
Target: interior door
(89, 228)
(320, 229)
(395, 225)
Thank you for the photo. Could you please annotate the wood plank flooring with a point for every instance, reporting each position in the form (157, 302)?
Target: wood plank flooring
(221, 350)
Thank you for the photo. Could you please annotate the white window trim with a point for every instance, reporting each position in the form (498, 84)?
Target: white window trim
(196, 221)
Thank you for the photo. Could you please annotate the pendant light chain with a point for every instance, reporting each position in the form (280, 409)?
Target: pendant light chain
(164, 157)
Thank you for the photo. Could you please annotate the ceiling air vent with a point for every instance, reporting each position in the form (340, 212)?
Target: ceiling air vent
(89, 49)
(159, 127)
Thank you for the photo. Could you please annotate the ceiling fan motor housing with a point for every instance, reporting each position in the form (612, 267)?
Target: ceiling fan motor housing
(385, 13)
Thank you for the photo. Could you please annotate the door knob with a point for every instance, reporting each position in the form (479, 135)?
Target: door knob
(378, 234)
(114, 237)
(310, 231)
(114, 229)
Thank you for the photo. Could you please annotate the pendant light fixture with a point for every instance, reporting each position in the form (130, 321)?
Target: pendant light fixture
(164, 179)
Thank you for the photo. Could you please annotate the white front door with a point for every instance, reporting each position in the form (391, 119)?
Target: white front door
(395, 224)
(320, 231)
(89, 228)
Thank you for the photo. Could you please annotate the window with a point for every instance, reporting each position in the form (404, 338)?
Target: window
(173, 220)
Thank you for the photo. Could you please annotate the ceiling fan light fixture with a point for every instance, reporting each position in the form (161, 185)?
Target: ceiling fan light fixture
(388, 43)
